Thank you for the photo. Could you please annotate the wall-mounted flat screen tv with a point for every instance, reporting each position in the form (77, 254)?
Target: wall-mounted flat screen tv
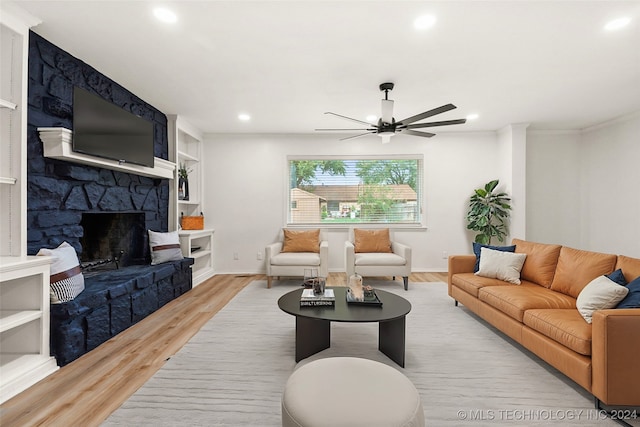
(103, 129)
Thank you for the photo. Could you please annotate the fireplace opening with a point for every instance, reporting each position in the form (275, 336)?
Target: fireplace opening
(113, 240)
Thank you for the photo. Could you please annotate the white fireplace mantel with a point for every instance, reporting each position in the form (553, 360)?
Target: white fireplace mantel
(56, 143)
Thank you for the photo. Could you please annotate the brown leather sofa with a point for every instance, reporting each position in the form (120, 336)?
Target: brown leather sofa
(541, 315)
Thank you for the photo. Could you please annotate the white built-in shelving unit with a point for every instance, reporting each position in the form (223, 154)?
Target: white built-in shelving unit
(185, 148)
(24, 280)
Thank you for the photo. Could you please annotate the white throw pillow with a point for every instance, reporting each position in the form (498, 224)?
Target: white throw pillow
(164, 247)
(501, 265)
(601, 293)
(65, 277)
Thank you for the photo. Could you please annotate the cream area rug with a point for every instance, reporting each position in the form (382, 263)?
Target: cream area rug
(233, 371)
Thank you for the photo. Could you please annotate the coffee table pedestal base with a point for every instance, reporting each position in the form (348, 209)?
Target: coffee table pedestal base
(312, 336)
(391, 339)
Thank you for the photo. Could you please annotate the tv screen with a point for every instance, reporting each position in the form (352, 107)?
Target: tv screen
(103, 129)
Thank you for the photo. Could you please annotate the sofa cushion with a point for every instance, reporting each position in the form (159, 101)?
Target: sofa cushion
(576, 268)
(296, 258)
(371, 240)
(600, 294)
(565, 326)
(66, 280)
(500, 265)
(540, 265)
(301, 241)
(514, 300)
(618, 277)
(630, 267)
(470, 283)
(632, 300)
(164, 247)
(379, 258)
(478, 246)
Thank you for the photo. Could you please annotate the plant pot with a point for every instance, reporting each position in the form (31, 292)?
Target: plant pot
(183, 189)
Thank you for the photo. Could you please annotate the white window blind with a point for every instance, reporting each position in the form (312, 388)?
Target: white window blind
(332, 190)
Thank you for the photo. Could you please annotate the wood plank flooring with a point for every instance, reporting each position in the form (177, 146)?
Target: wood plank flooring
(88, 390)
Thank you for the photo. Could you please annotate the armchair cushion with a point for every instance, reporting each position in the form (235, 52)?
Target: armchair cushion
(301, 241)
(372, 240)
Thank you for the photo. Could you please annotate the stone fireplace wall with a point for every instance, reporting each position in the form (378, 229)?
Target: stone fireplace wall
(58, 191)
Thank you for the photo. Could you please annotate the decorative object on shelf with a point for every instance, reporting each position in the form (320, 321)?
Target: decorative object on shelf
(488, 213)
(183, 182)
(192, 222)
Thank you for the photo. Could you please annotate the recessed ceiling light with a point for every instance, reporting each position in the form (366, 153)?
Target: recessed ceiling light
(617, 24)
(371, 118)
(472, 116)
(423, 22)
(165, 15)
(244, 117)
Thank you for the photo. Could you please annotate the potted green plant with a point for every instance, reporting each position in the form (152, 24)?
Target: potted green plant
(183, 182)
(489, 213)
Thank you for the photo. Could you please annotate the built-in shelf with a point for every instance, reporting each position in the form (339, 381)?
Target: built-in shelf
(57, 144)
(198, 244)
(7, 180)
(7, 104)
(189, 202)
(184, 156)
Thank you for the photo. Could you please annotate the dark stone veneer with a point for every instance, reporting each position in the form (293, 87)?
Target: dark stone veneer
(58, 191)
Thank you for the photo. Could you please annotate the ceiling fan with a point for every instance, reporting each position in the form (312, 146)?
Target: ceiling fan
(387, 126)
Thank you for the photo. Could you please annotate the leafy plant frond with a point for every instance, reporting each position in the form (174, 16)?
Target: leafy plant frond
(488, 213)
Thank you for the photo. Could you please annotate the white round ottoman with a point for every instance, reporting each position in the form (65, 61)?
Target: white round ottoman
(347, 391)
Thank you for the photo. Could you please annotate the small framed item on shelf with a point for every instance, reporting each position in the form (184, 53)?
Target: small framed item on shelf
(192, 222)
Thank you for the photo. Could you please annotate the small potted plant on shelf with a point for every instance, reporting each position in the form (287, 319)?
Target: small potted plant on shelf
(183, 182)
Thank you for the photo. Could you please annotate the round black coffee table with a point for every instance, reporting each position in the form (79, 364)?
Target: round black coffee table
(313, 324)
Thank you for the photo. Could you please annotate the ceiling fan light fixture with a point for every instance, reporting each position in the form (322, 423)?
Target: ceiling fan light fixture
(387, 111)
(386, 137)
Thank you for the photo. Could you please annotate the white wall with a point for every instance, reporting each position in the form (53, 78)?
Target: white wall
(553, 187)
(610, 178)
(583, 188)
(246, 185)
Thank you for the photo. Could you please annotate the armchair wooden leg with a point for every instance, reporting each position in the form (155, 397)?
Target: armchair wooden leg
(268, 282)
(405, 279)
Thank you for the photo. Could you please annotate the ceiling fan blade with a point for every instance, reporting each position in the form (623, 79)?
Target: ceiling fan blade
(349, 118)
(357, 136)
(416, 133)
(432, 124)
(340, 130)
(387, 111)
(426, 114)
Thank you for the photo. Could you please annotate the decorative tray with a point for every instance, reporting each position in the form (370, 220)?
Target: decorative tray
(372, 301)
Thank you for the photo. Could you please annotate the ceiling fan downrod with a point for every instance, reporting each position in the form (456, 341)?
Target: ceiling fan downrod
(386, 87)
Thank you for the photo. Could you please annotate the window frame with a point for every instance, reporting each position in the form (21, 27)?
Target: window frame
(419, 225)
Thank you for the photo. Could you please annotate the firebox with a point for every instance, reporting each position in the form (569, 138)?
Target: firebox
(114, 239)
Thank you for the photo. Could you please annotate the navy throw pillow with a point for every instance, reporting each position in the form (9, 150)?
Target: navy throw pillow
(618, 277)
(632, 300)
(478, 246)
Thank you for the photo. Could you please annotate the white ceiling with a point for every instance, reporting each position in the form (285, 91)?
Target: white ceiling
(548, 63)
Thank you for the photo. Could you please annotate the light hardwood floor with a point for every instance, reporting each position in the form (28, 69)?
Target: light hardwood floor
(88, 390)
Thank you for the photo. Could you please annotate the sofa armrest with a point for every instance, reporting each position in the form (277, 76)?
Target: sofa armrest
(402, 250)
(615, 344)
(270, 251)
(324, 259)
(460, 264)
(349, 259)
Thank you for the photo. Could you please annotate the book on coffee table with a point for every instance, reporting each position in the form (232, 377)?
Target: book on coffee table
(309, 299)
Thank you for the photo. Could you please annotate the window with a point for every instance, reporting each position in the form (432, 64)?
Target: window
(361, 190)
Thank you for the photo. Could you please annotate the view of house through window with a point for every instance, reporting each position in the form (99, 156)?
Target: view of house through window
(355, 190)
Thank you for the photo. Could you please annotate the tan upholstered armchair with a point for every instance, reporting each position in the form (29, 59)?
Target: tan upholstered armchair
(373, 253)
(298, 250)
